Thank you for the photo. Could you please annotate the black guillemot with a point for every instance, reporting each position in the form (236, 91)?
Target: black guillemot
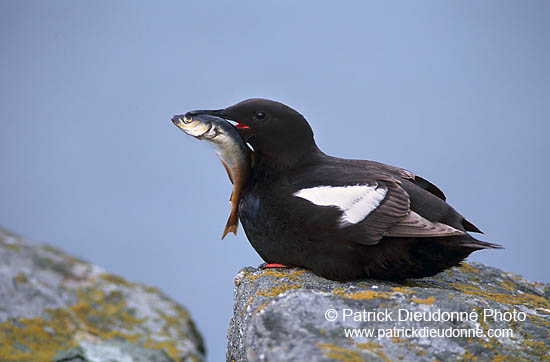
(343, 219)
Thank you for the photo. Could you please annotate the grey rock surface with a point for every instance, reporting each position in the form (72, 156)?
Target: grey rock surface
(294, 315)
(54, 307)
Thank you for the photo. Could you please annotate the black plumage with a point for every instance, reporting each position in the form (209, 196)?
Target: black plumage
(409, 231)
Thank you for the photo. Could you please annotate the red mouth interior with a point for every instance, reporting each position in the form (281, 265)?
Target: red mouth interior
(242, 126)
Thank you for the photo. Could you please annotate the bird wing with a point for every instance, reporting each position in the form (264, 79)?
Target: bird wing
(369, 211)
(420, 190)
(415, 225)
(390, 211)
(411, 176)
(365, 211)
(428, 186)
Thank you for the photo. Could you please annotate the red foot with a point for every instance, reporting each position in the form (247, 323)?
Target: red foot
(273, 265)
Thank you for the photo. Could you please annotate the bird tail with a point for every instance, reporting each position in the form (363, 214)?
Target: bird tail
(475, 244)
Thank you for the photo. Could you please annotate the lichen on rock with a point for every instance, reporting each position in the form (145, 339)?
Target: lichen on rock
(56, 307)
(294, 315)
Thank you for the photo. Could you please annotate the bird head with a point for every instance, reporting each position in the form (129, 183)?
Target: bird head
(277, 132)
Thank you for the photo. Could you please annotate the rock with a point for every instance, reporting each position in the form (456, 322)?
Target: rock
(294, 315)
(56, 307)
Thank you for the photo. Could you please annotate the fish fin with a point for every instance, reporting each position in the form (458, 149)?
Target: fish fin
(231, 197)
(228, 170)
(232, 223)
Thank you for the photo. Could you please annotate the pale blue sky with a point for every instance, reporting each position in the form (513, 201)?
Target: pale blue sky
(456, 91)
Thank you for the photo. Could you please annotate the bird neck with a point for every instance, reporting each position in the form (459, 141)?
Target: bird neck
(286, 158)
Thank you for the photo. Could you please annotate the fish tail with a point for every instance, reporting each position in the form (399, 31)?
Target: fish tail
(232, 223)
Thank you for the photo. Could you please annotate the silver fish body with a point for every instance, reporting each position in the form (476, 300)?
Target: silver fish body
(231, 150)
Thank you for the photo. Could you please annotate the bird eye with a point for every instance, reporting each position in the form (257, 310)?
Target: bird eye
(260, 115)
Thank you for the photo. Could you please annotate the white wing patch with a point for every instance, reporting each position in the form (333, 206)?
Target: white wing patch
(356, 202)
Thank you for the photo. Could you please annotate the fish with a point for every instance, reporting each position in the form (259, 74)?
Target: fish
(230, 148)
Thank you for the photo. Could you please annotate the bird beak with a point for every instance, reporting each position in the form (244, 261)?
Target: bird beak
(242, 129)
(216, 113)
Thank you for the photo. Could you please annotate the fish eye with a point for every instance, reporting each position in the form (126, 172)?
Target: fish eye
(260, 115)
